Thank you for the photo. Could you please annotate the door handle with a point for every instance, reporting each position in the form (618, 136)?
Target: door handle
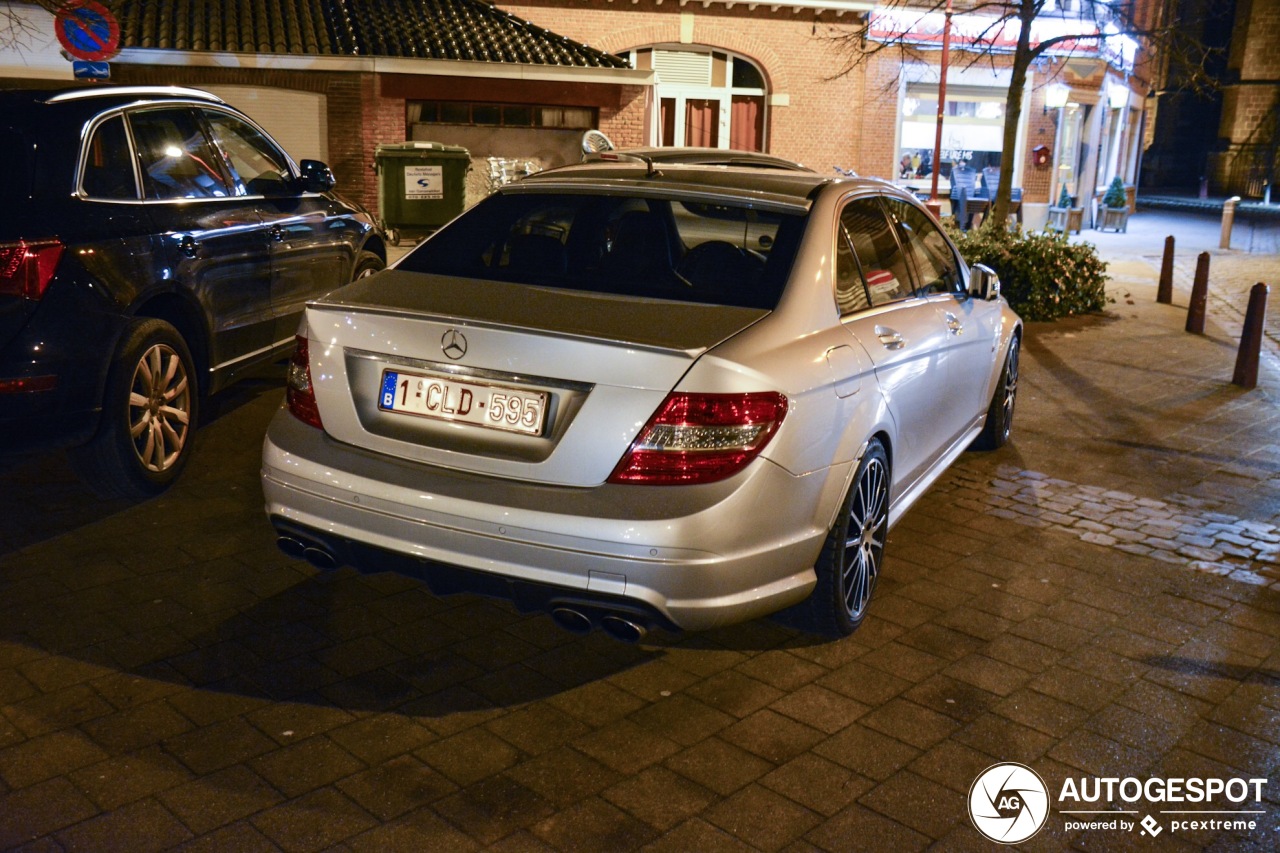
(277, 233)
(891, 338)
(188, 246)
(953, 324)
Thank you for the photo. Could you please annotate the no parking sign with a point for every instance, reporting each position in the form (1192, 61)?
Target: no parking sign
(87, 30)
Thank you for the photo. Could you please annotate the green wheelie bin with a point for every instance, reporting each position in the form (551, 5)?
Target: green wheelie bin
(421, 186)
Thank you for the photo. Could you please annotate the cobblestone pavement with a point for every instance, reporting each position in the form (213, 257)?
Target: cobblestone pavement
(1098, 599)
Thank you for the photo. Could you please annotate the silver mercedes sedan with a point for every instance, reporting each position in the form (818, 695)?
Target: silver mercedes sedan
(639, 396)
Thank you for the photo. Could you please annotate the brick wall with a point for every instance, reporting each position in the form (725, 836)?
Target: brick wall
(819, 122)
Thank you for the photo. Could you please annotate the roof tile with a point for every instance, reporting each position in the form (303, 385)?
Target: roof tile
(417, 29)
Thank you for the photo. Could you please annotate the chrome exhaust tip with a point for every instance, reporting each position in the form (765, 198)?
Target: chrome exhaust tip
(622, 629)
(295, 548)
(571, 620)
(320, 558)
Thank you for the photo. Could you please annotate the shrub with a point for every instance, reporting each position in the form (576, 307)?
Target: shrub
(1115, 196)
(1042, 274)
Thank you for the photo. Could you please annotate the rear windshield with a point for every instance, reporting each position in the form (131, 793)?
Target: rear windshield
(662, 248)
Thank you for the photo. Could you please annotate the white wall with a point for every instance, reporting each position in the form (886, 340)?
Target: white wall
(35, 53)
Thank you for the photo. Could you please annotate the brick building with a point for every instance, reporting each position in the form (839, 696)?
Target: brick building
(333, 80)
(878, 117)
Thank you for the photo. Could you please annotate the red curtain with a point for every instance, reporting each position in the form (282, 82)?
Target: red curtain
(667, 122)
(746, 123)
(702, 122)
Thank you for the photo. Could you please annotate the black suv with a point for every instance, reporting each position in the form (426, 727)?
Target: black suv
(155, 244)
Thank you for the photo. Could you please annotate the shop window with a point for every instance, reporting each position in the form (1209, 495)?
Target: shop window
(972, 132)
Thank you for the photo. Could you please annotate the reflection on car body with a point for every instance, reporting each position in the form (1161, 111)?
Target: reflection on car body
(155, 245)
(744, 378)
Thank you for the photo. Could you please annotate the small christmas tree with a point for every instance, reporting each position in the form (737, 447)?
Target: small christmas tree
(1064, 198)
(1115, 196)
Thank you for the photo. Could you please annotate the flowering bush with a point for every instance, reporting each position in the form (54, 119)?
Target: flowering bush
(1042, 274)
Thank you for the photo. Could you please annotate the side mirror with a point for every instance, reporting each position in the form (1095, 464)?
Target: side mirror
(316, 177)
(984, 283)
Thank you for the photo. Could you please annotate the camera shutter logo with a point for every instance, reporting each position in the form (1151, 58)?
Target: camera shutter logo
(1008, 803)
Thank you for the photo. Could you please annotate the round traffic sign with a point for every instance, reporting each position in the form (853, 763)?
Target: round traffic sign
(87, 30)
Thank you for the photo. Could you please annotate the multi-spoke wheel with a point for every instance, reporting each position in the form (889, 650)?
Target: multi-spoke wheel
(148, 414)
(999, 425)
(160, 408)
(367, 264)
(850, 562)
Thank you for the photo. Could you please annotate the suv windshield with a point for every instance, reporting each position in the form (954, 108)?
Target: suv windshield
(717, 253)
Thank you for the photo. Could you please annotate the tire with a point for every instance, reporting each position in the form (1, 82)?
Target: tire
(999, 424)
(367, 264)
(149, 414)
(853, 554)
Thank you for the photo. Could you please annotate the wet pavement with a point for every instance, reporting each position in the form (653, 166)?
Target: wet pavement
(1100, 599)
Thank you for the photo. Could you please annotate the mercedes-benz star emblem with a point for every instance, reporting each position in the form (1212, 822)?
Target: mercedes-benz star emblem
(454, 344)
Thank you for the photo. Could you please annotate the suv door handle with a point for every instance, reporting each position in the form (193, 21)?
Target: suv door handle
(891, 338)
(953, 324)
(276, 233)
(188, 246)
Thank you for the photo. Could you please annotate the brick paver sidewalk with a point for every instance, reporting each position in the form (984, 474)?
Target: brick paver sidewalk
(1098, 599)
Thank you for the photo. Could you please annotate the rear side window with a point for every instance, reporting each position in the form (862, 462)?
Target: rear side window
(881, 266)
(108, 168)
(935, 263)
(257, 166)
(648, 246)
(176, 157)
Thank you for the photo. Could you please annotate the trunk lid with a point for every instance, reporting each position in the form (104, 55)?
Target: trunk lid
(502, 379)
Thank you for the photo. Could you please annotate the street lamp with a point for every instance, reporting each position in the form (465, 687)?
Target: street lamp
(1055, 96)
(1118, 97)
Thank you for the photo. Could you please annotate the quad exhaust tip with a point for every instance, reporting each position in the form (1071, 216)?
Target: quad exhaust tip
(315, 554)
(573, 621)
(622, 629)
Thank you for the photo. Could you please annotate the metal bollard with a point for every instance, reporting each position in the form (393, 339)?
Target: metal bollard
(1164, 294)
(1199, 296)
(1228, 221)
(1246, 375)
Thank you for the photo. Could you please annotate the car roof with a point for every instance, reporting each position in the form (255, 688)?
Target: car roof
(99, 96)
(706, 156)
(777, 186)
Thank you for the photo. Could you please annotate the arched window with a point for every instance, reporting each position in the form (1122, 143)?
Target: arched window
(705, 97)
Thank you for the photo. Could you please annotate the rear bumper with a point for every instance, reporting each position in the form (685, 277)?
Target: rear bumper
(688, 557)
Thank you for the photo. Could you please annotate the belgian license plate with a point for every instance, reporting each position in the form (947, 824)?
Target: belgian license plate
(448, 398)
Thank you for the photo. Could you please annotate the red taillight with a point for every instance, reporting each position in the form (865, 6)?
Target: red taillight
(701, 438)
(301, 396)
(26, 268)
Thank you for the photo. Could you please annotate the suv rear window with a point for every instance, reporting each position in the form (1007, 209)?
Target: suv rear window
(663, 248)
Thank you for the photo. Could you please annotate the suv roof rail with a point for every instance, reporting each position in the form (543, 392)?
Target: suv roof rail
(104, 91)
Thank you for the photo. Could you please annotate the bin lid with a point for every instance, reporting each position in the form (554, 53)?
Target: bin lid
(417, 149)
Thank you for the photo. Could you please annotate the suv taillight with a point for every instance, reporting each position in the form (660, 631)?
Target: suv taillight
(701, 438)
(298, 391)
(26, 268)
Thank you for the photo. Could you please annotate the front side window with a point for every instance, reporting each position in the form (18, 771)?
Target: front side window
(882, 266)
(936, 265)
(257, 166)
(649, 246)
(176, 157)
(108, 168)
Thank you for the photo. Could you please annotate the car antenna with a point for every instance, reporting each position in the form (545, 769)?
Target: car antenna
(652, 169)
